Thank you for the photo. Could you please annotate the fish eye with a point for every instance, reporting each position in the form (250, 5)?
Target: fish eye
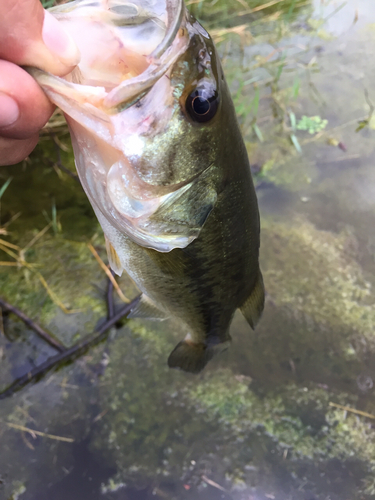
(202, 104)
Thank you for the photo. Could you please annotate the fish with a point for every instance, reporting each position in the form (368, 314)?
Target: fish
(160, 155)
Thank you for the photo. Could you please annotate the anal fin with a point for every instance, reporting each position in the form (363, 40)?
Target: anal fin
(253, 306)
(113, 258)
(146, 309)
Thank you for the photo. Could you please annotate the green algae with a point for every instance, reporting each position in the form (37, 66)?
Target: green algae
(324, 434)
(19, 489)
(135, 430)
(298, 419)
(319, 315)
(318, 276)
(140, 437)
(43, 288)
(49, 264)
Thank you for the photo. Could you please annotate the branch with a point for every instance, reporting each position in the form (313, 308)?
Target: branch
(69, 354)
(29, 322)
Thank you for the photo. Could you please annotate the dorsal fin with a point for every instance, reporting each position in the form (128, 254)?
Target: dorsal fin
(146, 309)
(253, 306)
(113, 258)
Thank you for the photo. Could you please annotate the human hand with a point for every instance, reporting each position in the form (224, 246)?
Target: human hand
(28, 36)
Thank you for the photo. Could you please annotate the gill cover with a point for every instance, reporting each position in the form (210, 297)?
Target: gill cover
(126, 50)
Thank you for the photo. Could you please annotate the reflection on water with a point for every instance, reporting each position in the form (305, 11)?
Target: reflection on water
(271, 418)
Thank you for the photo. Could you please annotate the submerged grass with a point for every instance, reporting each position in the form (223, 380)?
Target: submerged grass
(228, 10)
(4, 186)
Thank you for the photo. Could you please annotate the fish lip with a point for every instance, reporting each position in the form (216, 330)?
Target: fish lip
(174, 25)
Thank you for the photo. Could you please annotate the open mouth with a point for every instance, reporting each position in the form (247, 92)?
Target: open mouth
(125, 48)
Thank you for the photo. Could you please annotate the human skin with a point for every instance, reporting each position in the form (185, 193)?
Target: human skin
(28, 36)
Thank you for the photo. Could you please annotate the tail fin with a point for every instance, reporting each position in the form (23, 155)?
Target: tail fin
(190, 357)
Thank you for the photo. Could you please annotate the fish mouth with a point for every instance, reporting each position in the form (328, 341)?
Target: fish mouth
(118, 70)
(93, 103)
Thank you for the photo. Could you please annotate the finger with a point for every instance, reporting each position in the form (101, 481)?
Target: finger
(24, 108)
(31, 36)
(14, 150)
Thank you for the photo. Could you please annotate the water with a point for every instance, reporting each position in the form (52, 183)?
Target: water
(260, 422)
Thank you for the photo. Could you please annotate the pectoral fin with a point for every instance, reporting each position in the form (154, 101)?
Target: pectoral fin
(146, 309)
(253, 306)
(180, 216)
(113, 258)
(186, 210)
(163, 223)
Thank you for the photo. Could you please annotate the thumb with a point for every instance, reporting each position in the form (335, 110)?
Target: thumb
(31, 36)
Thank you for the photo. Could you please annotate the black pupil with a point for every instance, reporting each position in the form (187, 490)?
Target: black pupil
(201, 105)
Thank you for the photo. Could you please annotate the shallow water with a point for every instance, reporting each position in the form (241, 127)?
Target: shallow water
(259, 422)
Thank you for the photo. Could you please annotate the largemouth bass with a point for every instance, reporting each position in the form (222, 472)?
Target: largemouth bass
(160, 155)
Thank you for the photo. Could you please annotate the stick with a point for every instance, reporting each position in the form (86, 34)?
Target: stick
(108, 272)
(35, 433)
(213, 484)
(110, 305)
(352, 410)
(29, 322)
(68, 354)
